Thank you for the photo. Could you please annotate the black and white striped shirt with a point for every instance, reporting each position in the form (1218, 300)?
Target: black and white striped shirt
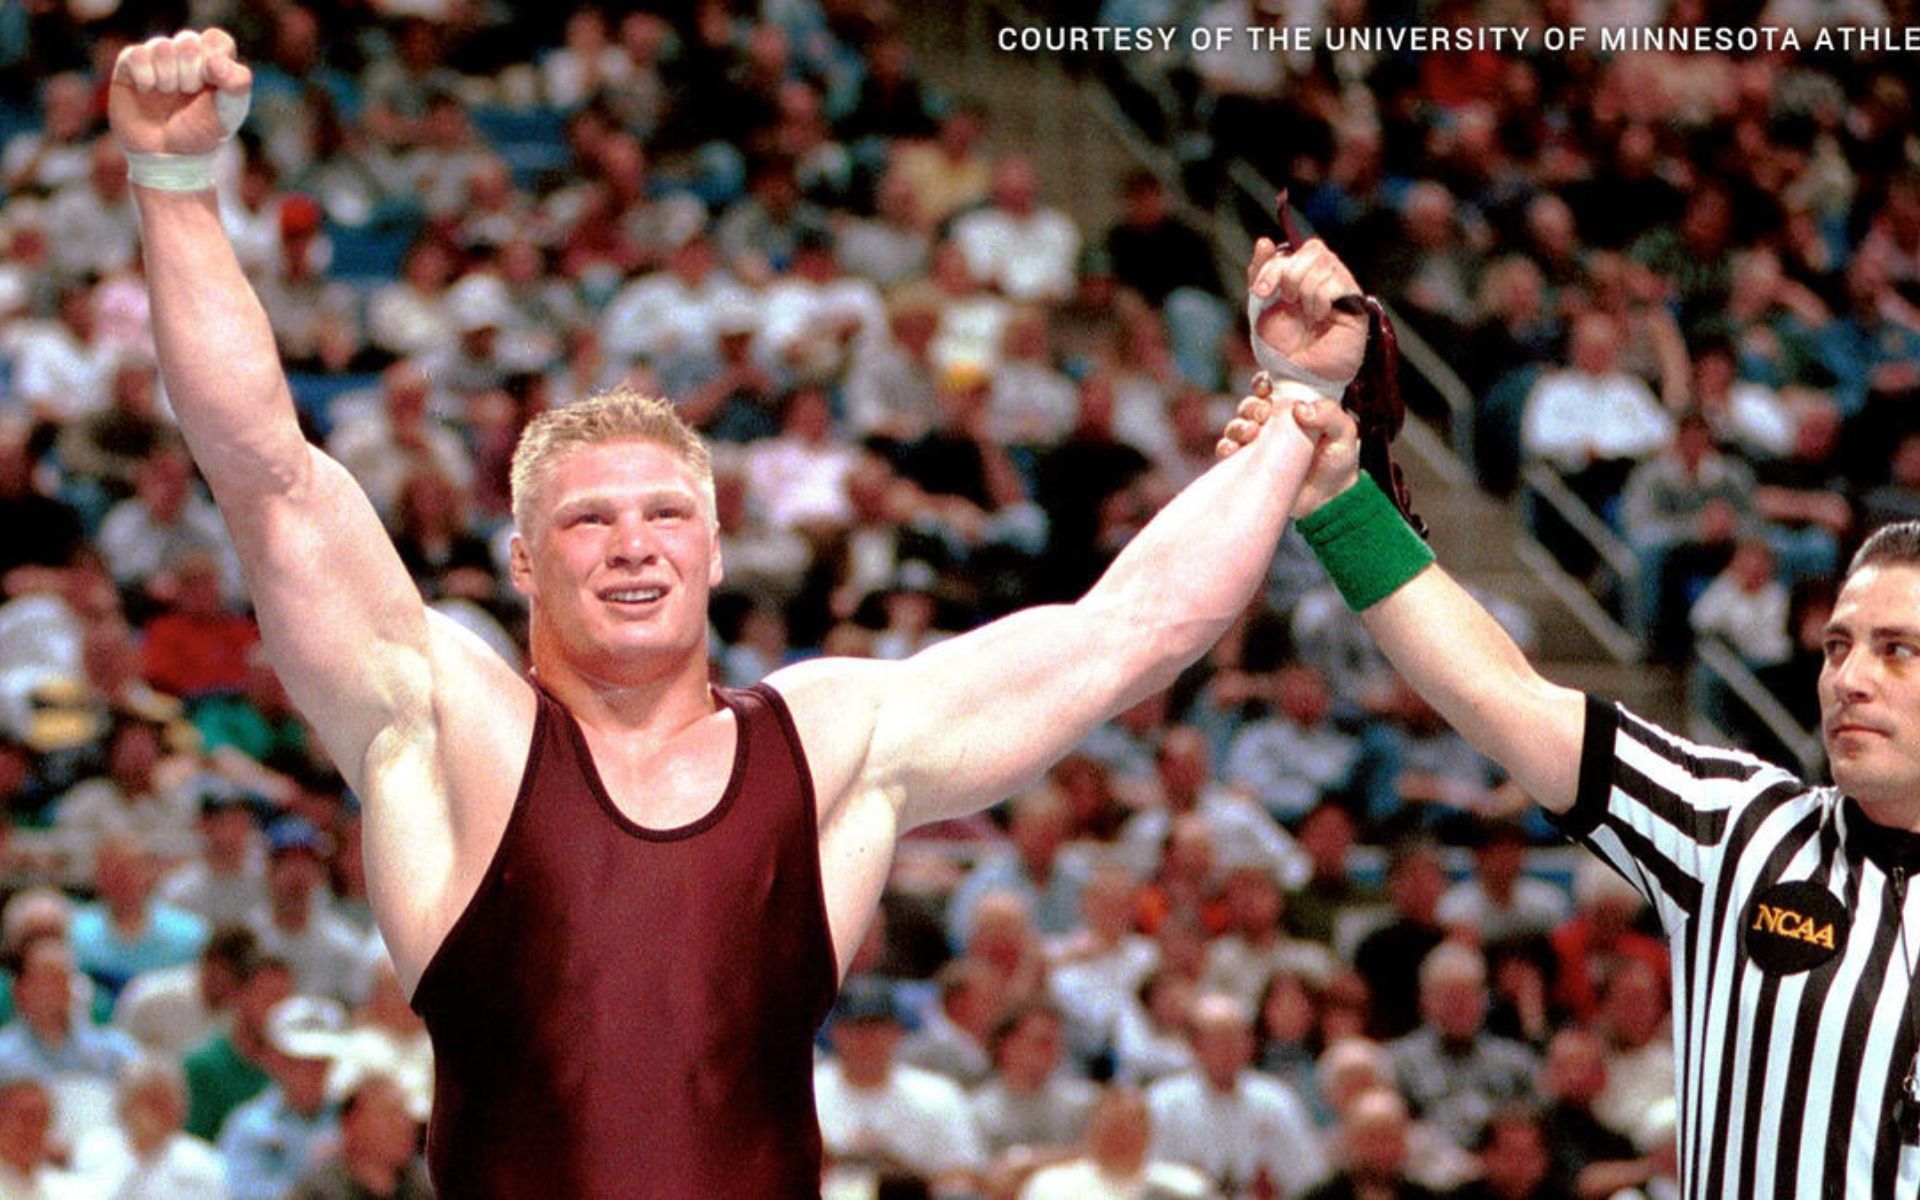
(1792, 982)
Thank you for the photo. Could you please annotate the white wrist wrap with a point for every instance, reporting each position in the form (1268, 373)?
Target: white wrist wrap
(1278, 365)
(170, 172)
(189, 172)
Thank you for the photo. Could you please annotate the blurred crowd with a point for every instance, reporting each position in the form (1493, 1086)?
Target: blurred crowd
(1273, 932)
(1683, 284)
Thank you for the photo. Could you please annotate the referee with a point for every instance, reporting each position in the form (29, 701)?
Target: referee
(1785, 905)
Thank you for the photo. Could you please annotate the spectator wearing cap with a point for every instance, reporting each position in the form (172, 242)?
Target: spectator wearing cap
(1233, 1123)
(477, 358)
(146, 1154)
(327, 954)
(127, 930)
(1500, 900)
(316, 317)
(225, 883)
(1153, 251)
(50, 1036)
(880, 1113)
(277, 1137)
(378, 1154)
(33, 912)
(386, 1033)
(170, 1010)
(228, 1069)
(815, 319)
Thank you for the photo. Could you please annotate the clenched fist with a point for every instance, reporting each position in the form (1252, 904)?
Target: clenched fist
(181, 95)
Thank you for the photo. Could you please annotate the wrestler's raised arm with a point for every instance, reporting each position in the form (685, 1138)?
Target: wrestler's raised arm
(972, 720)
(343, 623)
(1447, 646)
(345, 626)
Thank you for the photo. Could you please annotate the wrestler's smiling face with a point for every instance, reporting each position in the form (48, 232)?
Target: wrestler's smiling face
(621, 559)
(1870, 692)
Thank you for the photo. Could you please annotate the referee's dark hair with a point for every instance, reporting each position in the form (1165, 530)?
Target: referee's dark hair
(1897, 543)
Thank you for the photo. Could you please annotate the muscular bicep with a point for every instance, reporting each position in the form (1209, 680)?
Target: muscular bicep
(343, 623)
(973, 720)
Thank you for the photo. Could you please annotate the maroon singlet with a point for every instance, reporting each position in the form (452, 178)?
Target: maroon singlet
(628, 1012)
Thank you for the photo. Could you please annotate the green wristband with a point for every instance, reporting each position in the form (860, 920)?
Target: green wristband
(1368, 550)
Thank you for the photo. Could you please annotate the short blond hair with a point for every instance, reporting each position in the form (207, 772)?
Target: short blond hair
(615, 416)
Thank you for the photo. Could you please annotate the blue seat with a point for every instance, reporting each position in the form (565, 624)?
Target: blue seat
(531, 141)
(314, 394)
(374, 250)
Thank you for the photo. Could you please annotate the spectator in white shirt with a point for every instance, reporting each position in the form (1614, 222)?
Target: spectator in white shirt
(1242, 1129)
(1025, 248)
(328, 955)
(146, 1154)
(880, 1113)
(1116, 1165)
(1499, 900)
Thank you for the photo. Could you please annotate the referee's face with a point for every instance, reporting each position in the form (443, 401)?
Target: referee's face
(1870, 692)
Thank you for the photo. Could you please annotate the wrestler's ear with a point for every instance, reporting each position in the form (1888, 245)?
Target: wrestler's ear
(520, 564)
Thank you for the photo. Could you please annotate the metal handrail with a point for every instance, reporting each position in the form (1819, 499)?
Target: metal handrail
(1716, 657)
(1546, 483)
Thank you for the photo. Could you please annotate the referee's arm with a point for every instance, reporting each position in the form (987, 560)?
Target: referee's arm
(1449, 649)
(1459, 659)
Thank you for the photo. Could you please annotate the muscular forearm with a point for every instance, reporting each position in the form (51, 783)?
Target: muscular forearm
(216, 349)
(1183, 580)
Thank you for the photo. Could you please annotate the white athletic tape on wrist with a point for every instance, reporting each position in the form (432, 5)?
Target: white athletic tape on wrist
(1278, 365)
(190, 172)
(170, 172)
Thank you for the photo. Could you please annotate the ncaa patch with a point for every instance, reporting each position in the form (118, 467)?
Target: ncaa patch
(1794, 927)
